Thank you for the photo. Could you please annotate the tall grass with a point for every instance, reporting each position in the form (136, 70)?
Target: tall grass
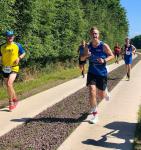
(32, 81)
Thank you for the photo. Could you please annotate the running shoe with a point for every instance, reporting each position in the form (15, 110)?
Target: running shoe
(11, 106)
(83, 75)
(15, 101)
(127, 78)
(94, 120)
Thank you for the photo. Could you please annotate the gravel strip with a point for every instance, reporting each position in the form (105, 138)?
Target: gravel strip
(51, 127)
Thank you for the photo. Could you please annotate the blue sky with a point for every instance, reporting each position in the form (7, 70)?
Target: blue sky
(133, 9)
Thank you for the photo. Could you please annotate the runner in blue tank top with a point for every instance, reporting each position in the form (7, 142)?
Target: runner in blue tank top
(98, 54)
(82, 59)
(128, 49)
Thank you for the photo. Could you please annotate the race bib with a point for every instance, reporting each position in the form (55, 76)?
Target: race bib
(128, 53)
(7, 69)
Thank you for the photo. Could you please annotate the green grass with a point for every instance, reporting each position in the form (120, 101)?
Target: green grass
(42, 81)
(138, 50)
(137, 139)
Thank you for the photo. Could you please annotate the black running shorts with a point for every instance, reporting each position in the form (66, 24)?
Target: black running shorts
(6, 75)
(99, 81)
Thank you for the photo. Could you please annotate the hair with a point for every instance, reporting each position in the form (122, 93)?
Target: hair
(127, 38)
(94, 28)
(83, 41)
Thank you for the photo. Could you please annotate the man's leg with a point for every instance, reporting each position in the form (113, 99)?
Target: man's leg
(93, 103)
(129, 70)
(83, 70)
(100, 95)
(92, 92)
(115, 58)
(118, 58)
(126, 70)
(10, 88)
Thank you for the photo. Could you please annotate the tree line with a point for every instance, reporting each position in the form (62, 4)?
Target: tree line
(51, 30)
(136, 41)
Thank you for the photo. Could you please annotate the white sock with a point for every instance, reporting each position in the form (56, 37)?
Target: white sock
(94, 109)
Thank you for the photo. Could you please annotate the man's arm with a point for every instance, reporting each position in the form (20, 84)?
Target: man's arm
(133, 49)
(21, 54)
(109, 52)
(78, 49)
(87, 53)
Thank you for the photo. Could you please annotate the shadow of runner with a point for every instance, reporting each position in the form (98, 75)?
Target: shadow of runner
(114, 78)
(121, 130)
(53, 119)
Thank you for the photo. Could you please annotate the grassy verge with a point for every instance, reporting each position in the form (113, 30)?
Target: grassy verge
(137, 140)
(139, 50)
(44, 80)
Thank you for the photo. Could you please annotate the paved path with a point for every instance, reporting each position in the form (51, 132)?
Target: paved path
(118, 117)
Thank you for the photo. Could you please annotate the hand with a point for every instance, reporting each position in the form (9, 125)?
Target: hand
(101, 60)
(16, 62)
(89, 53)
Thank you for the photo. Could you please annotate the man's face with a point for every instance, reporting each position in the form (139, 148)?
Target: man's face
(94, 34)
(10, 38)
(127, 41)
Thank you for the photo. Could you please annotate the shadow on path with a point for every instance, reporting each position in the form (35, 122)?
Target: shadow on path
(53, 119)
(122, 130)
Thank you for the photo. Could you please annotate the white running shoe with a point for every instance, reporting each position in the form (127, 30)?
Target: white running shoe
(107, 96)
(94, 120)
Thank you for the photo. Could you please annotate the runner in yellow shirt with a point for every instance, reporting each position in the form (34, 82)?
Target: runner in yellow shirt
(11, 53)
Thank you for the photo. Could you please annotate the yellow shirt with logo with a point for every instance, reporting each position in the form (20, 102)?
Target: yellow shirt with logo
(9, 54)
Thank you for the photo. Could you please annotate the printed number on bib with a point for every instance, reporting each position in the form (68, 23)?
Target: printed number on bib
(128, 53)
(7, 69)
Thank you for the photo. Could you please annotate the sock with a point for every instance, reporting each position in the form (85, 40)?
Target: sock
(94, 109)
(128, 75)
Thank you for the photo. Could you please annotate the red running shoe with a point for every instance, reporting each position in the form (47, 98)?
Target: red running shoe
(11, 106)
(15, 101)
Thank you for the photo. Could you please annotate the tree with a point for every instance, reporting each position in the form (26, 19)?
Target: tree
(136, 41)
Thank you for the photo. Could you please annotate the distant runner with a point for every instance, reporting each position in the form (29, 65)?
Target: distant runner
(98, 53)
(11, 54)
(117, 51)
(128, 49)
(82, 59)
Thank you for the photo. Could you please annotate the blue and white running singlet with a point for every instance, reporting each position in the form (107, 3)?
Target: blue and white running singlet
(128, 54)
(95, 67)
